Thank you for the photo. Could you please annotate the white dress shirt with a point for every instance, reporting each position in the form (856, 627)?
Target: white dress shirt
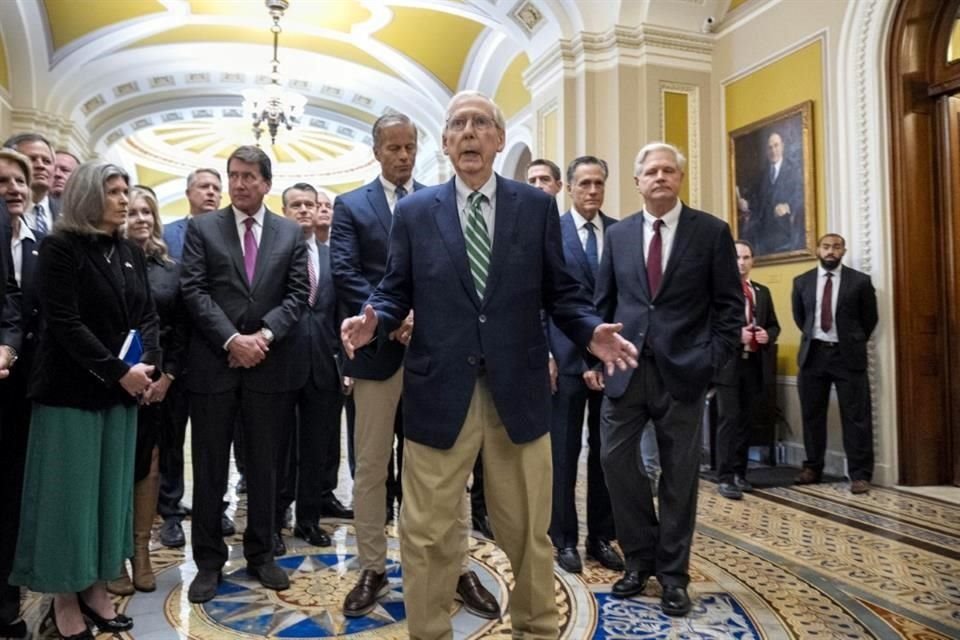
(240, 217)
(818, 332)
(668, 230)
(16, 247)
(581, 223)
(390, 190)
(487, 207)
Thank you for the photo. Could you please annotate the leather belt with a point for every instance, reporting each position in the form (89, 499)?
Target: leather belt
(825, 344)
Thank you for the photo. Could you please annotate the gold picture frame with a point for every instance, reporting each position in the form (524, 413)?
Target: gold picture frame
(772, 188)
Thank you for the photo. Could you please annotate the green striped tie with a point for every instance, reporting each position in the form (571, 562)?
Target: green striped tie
(478, 242)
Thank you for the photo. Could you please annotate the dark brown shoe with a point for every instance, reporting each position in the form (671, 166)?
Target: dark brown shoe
(807, 476)
(859, 487)
(475, 597)
(363, 598)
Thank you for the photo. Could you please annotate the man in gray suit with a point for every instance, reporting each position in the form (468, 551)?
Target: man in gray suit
(244, 283)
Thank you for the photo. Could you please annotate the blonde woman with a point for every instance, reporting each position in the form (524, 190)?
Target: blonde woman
(154, 420)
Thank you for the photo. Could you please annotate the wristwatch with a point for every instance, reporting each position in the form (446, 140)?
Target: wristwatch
(267, 334)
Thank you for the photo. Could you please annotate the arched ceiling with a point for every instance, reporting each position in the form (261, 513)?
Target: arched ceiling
(156, 83)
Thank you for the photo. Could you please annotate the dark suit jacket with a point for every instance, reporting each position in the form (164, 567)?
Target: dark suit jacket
(221, 303)
(359, 241)
(172, 314)
(856, 316)
(173, 235)
(10, 297)
(317, 331)
(768, 232)
(766, 317)
(568, 356)
(457, 336)
(88, 306)
(693, 323)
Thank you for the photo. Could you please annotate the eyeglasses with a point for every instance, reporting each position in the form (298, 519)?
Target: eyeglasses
(480, 123)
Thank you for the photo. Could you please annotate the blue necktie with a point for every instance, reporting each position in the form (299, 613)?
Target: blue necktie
(41, 222)
(593, 256)
(400, 191)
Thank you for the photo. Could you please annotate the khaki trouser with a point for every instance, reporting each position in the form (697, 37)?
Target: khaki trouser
(376, 402)
(517, 483)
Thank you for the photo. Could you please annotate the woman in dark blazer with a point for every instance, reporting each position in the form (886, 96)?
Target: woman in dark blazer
(155, 418)
(77, 509)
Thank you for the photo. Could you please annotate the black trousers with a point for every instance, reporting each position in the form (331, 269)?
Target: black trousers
(312, 458)
(172, 435)
(825, 366)
(267, 418)
(14, 434)
(735, 417)
(653, 544)
(566, 436)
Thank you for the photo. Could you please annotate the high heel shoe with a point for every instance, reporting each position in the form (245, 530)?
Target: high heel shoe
(116, 624)
(52, 617)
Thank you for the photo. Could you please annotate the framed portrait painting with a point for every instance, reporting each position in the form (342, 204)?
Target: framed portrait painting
(774, 199)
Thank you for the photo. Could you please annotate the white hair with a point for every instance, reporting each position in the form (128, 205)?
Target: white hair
(658, 146)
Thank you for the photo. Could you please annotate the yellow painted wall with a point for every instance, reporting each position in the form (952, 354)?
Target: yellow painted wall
(4, 72)
(512, 95)
(782, 84)
(736, 3)
(675, 129)
(72, 19)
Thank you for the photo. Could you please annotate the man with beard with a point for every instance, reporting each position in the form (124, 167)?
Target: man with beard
(836, 309)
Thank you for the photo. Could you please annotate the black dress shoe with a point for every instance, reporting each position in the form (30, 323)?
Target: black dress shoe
(204, 586)
(730, 491)
(569, 559)
(481, 524)
(675, 601)
(312, 533)
(475, 597)
(333, 508)
(270, 575)
(116, 624)
(171, 533)
(226, 525)
(631, 584)
(742, 483)
(279, 546)
(363, 597)
(604, 553)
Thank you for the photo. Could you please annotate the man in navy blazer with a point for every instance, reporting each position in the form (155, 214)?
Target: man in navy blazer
(478, 258)
(582, 228)
(669, 274)
(835, 308)
(244, 283)
(203, 193)
(359, 244)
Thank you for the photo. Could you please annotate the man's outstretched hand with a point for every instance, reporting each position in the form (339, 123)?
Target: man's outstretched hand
(610, 348)
(357, 331)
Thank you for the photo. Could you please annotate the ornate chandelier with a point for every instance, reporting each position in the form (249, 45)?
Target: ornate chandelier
(273, 105)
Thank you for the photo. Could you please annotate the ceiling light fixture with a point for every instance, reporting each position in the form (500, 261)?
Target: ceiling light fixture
(273, 105)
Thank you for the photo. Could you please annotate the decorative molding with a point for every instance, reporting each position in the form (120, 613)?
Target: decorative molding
(527, 16)
(551, 107)
(694, 164)
(62, 132)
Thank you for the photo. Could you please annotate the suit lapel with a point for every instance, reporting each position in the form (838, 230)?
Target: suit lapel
(231, 241)
(681, 240)
(378, 202)
(28, 262)
(447, 217)
(505, 222)
(571, 240)
(638, 221)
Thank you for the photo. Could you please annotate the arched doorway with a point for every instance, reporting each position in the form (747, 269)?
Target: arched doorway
(924, 86)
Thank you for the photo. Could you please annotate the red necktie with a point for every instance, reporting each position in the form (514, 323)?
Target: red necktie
(751, 306)
(826, 305)
(655, 260)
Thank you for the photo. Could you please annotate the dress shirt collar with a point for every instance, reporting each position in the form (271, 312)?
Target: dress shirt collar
(240, 216)
(489, 189)
(580, 221)
(670, 218)
(391, 188)
(25, 233)
(311, 242)
(822, 272)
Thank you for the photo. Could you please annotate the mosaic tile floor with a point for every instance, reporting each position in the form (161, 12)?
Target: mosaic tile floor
(785, 562)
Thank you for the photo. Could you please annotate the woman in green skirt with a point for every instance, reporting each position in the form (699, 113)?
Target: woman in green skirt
(76, 519)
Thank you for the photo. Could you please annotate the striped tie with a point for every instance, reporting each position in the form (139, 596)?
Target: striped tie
(478, 242)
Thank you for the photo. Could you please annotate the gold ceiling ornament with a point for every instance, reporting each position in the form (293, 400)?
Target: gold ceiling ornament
(273, 105)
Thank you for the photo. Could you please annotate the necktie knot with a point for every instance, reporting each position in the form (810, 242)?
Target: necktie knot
(250, 222)
(475, 199)
(400, 191)
(657, 224)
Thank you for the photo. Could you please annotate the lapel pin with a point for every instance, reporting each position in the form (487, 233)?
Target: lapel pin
(128, 265)
(35, 252)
